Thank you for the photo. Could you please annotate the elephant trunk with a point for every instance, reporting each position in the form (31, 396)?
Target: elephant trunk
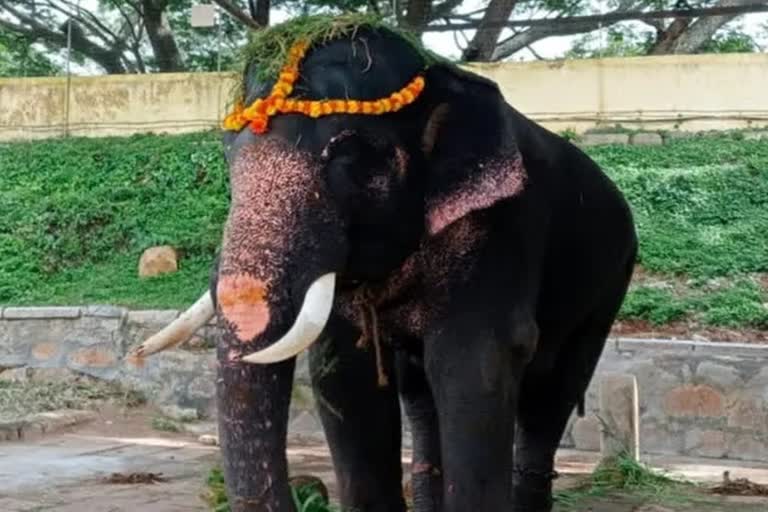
(274, 289)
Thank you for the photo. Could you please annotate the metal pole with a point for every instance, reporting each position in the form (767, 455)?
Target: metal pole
(69, 78)
(218, 41)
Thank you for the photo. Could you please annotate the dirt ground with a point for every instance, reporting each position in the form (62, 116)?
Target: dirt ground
(69, 472)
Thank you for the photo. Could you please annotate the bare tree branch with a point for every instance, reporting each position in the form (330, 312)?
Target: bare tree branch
(238, 14)
(483, 44)
(28, 25)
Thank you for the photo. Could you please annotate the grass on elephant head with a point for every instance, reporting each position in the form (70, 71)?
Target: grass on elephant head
(268, 48)
(625, 476)
(305, 499)
(77, 213)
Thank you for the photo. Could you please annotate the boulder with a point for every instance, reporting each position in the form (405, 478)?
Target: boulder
(162, 259)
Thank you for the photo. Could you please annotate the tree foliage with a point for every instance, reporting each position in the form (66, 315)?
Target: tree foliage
(125, 36)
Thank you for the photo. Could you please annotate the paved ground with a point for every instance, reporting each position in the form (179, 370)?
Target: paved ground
(65, 472)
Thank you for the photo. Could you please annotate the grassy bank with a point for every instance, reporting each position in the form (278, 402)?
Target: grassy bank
(76, 214)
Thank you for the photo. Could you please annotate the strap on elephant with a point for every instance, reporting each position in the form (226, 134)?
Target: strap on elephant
(369, 331)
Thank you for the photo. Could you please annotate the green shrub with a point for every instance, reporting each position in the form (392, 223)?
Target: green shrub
(77, 213)
(655, 305)
(741, 304)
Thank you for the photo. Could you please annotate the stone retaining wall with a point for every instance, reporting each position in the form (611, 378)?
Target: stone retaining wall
(696, 398)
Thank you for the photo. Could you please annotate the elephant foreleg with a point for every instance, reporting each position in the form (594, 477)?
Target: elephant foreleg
(361, 421)
(419, 405)
(474, 370)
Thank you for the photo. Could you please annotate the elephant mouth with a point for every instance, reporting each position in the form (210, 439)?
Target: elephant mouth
(246, 309)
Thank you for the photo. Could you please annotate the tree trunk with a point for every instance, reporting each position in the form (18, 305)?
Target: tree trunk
(163, 43)
(483, 45)
(417, 15)
(693, 35)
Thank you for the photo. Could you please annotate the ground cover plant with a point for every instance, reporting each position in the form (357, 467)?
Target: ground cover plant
(76, 214)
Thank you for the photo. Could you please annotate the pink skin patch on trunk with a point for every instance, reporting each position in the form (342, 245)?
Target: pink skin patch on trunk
(243, 303)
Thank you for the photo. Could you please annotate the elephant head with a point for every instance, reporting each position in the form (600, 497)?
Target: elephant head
(319, 204)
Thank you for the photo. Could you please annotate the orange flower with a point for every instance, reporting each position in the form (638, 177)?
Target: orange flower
(259, 125)
(353, 107)
(259, 112)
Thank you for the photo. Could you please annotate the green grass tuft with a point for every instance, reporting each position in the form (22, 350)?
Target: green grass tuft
(306, 499)
(626, 476)
(267, 49)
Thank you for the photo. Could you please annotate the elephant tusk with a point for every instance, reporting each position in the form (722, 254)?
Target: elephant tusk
(309, 323)
(180, 330)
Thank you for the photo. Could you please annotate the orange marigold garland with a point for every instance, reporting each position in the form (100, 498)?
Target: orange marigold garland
(257, 114)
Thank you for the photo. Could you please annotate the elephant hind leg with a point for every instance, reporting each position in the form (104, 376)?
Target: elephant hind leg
(419, 405)
(547, 402)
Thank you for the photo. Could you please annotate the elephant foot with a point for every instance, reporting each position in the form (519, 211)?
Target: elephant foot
(532, 490)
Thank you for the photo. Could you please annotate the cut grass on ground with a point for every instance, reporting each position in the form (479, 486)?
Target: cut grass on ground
(306, 498)
(77, 214)
(622, 475)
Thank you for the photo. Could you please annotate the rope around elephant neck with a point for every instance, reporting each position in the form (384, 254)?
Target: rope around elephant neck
(369, 332)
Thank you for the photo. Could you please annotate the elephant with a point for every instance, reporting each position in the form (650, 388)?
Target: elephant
(451, 260)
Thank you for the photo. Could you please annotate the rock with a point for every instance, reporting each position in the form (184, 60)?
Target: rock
(41, 312)
(208, 440)
(595, 139)
(646, 139)
(16, 375)
(158, 260)
(586, 434)
(705, 443)
(183, 414)
(620, 415)
(694, 401)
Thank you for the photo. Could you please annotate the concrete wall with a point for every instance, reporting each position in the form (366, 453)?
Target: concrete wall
(700, 399)
(691, 92)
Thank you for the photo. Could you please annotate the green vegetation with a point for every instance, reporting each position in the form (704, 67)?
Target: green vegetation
(306, 498)
(627, 477)
(269, 48)
(76, 215)
(30, 396)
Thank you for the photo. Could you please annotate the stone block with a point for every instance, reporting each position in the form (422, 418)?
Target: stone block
(705, 443)
(152, 317)
(747, 414)
(756, 135)
(746, 447)
(154, 261)
(677, 135)
(700, 401)
(96, 357)
(103, 311)
(646, 139)
(620, 416)
(596, 139)
(46, 351)
(586, 433)
(718, 375)
(19, 313)
(16, 375)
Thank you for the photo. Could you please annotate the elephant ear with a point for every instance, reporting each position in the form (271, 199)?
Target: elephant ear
(469, 143)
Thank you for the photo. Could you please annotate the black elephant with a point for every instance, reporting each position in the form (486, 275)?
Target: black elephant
(451, 254)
